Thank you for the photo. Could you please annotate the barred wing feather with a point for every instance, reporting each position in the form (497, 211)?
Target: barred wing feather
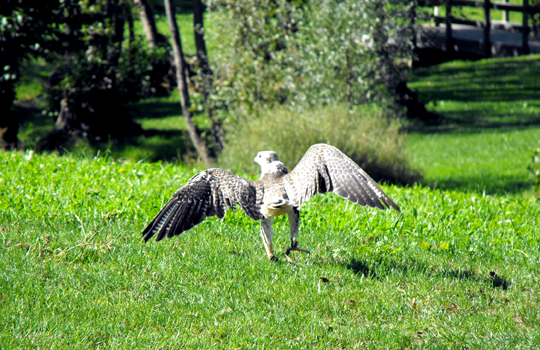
(323, 169)
(206, 194)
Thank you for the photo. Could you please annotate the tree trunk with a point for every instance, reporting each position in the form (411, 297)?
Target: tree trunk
(131, 28)
(9, 126)
(407, 98)
(149, 25)
(198, 28)
(95, 115)
(194, 133)
(205, 71)
(114, 12)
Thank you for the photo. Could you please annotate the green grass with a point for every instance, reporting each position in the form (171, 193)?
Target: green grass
(361, 132)
(486, 94)
(459, 267)
(185, 25)
(490, 123)
(477, 13)
(453, 270)
(490, 162)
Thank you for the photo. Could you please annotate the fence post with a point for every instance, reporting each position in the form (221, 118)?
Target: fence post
(448, 22)
(506, 13)
(487, 27)
(526, 29)
(412, 19)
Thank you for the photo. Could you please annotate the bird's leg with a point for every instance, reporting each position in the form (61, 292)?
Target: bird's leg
(294, 221)
(266, 234)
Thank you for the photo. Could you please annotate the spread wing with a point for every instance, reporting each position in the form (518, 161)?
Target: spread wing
(323, 169)
(206, 194)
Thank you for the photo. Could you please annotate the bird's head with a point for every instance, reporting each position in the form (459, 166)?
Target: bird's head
(269, 162)
(266, 157)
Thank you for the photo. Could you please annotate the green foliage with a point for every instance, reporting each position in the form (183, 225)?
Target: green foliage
(137, 73)
(452, 270)
(28, 90)
(99, 59)
(361, 132)
(25, 32)
(309, 53)
(305, 54)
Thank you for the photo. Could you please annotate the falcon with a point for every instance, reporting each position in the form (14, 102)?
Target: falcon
(277, 192)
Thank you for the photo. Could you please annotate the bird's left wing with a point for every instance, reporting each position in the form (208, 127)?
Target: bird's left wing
(206, 194)
(323, 169)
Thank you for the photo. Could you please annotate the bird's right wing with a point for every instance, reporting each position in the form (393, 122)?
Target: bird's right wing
(206, 194)
(323, 169)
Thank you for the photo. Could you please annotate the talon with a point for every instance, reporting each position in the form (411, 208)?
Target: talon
(274, 258)
(292, 248)
(304, 251)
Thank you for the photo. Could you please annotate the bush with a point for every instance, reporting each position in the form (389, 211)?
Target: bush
(361, 132)
(309, 53)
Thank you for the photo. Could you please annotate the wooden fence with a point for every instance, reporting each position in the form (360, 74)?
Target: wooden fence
(487, 24)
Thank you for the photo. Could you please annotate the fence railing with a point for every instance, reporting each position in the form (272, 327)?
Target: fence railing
(487, 24)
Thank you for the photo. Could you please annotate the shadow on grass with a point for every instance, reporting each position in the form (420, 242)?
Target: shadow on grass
(171, 144)
(384, 267)
(32, 124)
(154, 145)
(155, 109)
(487, 80)
(476, 121)
(490, 186)
(488, 84)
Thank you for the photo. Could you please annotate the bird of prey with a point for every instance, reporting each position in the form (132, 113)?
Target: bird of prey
(322, 169)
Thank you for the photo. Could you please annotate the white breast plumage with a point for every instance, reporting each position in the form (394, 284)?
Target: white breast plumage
(273, 209)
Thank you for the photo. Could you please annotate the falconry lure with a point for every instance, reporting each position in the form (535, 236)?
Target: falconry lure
(278, 192)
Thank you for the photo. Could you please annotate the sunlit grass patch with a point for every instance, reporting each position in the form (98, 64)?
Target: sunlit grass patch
(491, 161)
(490, 123)
(451, 270)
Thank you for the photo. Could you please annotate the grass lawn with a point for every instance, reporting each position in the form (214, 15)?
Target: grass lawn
(459, 267)
(490, 124)
(452, 270)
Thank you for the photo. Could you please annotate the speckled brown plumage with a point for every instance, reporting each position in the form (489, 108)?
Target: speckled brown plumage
(322, 169)
(206, 194)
